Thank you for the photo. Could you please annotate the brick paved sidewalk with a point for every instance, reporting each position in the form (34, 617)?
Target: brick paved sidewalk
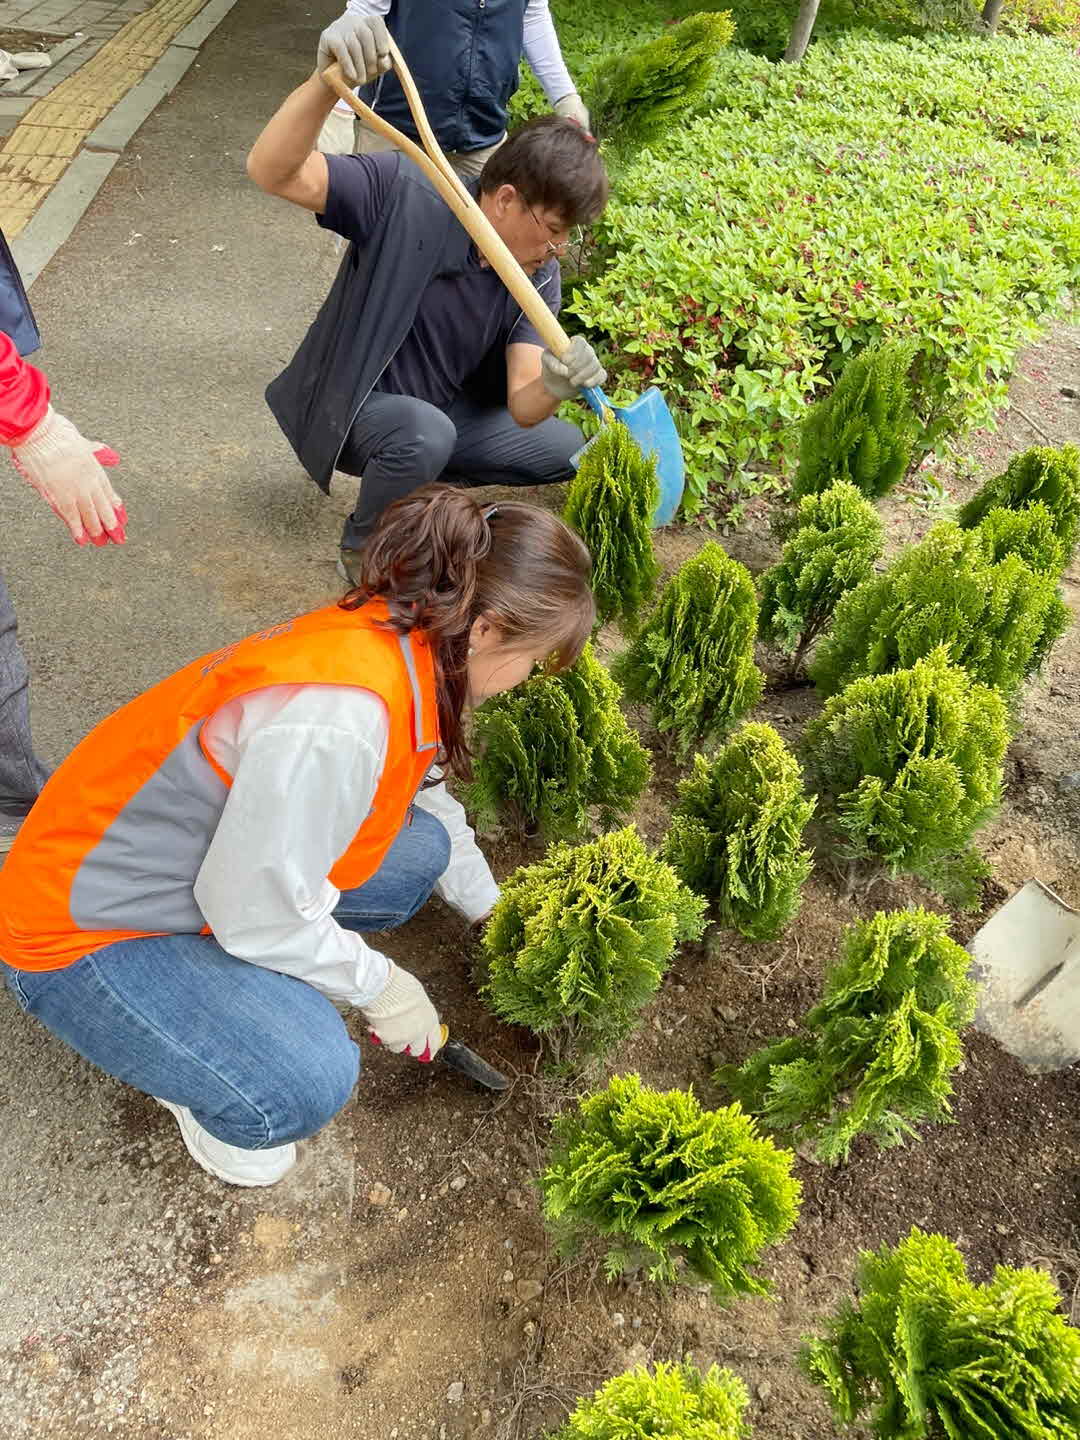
(49, 115)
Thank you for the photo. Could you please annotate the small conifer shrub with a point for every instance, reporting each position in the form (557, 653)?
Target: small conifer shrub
(611, 503)
(909, 765)
(676, 1401)
(998, 620)
(636, 96)
(1041, 474)
(736, 832)
(876, 1056)
(925, 1354)
(692, 661)
(864, 431)
(579, 942)
(1028, 534)
(661, 1180)
(832, 545)
(555, 748)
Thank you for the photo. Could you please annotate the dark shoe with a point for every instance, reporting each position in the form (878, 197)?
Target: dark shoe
(348, 565)
(10, 821)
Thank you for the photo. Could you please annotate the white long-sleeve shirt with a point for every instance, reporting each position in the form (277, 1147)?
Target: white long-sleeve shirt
(541, 45)
(305, 762)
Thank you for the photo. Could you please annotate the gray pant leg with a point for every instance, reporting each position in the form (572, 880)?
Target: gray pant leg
(21, 773)
(396, 444)
(493, 449)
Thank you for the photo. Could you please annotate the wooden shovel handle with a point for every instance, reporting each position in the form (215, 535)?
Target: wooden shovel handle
(441, 174)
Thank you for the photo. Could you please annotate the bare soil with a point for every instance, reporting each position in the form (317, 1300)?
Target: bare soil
(18, 42)
(442, 1276)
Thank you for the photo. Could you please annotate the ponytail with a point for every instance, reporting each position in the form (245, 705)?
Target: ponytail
(439, 561)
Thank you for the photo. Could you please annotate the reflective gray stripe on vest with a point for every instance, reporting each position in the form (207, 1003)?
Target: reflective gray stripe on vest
(141, 874)
(420, 733)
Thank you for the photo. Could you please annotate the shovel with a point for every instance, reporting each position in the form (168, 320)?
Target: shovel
(1027, 962)
(647, 418)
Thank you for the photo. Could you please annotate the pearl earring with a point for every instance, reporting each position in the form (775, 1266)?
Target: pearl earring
(470, 649)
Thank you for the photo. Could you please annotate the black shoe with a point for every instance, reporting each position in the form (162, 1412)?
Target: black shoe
(348, 565)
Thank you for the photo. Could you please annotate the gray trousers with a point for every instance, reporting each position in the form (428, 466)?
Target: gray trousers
(21, 773)
(398, 443)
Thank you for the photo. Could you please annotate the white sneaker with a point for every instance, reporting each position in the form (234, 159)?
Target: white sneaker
(229, 1162)
(10, 823)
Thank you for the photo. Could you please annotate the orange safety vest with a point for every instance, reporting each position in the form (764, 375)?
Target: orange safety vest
(113, 846)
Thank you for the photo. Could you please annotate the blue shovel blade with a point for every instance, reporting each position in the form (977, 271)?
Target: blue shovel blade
(650, 423)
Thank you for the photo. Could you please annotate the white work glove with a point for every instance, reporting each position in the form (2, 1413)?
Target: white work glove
(360, 44)
(576, 371)
(572, 107)
(403, 1018)
(64, 470)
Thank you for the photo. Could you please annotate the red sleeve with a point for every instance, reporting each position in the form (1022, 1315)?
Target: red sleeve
(24, 394)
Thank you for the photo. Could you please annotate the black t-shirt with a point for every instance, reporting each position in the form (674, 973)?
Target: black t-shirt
(464, 314)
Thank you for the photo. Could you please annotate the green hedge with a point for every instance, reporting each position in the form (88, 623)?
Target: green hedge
(924, 188)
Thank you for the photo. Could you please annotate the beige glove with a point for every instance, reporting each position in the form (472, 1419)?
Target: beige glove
(63, 469)
(575, 371)
(360, 44)
(403, 1018)
(572, 107)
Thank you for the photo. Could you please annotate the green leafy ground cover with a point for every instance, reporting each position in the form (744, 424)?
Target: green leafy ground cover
(923, 187)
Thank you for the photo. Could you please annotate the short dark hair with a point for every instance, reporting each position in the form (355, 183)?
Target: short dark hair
(554, 165)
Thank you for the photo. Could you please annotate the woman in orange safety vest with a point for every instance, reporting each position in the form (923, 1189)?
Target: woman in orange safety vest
(182, 905)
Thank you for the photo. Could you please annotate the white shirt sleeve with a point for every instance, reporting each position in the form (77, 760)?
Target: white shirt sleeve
(467, 882)
(368, 7)
(305, 762)
(542, 51)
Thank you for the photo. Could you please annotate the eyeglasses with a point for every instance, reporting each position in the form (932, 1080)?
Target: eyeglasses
(556, 247)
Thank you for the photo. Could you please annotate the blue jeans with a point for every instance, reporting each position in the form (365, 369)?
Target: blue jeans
(259, 1058)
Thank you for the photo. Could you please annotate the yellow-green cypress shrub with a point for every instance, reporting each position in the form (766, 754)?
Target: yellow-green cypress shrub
(736, 833)
(876, 1055)
(832, 544)
(660, 1180)
(692, 662)
(579, 942)
(925, 1354)
(998, 620)
(555, 749)
(908, 766)
(676, 1401)
(610, 503)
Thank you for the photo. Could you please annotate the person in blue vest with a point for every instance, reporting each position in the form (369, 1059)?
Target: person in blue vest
(420, 365)
(464, 56)
(66, 471)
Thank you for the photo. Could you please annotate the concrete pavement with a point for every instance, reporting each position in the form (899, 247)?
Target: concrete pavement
(65, 124)
(179, 295)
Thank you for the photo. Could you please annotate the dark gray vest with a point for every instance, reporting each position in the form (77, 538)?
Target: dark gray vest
(368, 313)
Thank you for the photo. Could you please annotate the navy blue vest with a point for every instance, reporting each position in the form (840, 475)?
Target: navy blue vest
(464, 56)
(16, 317)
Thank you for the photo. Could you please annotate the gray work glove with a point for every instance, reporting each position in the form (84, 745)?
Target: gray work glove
(572, 107)
(576, 371)
(360, 44)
